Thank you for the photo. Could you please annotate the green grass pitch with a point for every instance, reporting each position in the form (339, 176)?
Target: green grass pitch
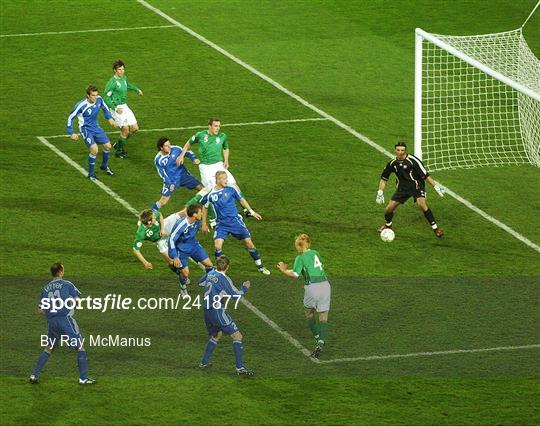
(447, 305)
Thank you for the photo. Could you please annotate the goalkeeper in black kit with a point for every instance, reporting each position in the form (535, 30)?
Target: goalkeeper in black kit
(411, 177)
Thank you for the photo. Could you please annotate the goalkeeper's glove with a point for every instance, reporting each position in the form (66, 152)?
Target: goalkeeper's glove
(440, 189)
(380, 197)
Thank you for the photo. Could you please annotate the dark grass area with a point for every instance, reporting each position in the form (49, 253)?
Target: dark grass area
(476, 288)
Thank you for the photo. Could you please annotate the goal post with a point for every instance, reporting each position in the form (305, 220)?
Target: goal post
(477, 100)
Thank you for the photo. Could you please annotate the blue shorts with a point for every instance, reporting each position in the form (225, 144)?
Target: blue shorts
(92, 136)
(64, 326)
(186, 181)
(219, 320)
(197, 253)
(233, 226)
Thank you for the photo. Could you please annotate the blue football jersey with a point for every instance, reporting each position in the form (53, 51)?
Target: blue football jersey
(87, 114)
(217, 285)
(58, 289)
(183, 236)
(166, 164)
(224, 202)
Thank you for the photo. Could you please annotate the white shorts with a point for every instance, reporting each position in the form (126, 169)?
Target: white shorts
(208, 174)
(127, 118)
(168, 224)
(317, 296)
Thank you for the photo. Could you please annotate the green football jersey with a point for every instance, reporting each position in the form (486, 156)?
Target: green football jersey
(210, 146)
(309, 265)
(116, 91)
(148, 233)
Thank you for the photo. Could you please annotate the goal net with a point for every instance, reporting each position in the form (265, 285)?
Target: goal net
(477, 100)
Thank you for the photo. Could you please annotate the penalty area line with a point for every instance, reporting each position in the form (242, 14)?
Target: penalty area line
(427, 354)
(84, 172)
(329, 117)
(132, 210)
(251, 123)
(98, 30)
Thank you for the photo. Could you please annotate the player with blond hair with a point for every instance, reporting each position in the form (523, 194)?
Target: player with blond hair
(309, 264)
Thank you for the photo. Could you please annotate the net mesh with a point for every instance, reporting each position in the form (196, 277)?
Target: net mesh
(470, 119)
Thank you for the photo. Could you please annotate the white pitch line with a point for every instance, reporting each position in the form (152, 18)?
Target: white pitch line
(132, 210)
(84, 172)
(99, 30)
(277, 328)
(331, 118)
(425, 354)
(252, 123)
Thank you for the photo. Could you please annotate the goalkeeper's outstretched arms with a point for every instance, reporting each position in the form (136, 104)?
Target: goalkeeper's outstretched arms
(439, 188)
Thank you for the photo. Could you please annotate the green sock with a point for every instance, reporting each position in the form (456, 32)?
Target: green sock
(323, 326)
(193, 200)
(312, 324)
(120, 144)
(211, 213)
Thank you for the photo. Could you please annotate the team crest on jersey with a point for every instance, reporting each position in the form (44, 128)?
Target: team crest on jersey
(404, 166)
(217, 140)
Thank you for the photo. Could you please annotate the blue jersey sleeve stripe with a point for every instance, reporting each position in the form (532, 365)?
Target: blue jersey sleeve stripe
(73, 114)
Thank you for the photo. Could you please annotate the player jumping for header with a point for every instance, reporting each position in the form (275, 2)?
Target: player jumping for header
(223, 198)
(183, 244)
(174, 175)
(214, 155)
(411, 176)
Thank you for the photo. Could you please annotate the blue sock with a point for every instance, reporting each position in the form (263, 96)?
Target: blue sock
(210, 346)
(105, 162)
(238, 353)
(43, 358)
(218, 253)
(256, 257)
(91, 164)
(83, 364)
(156, 206)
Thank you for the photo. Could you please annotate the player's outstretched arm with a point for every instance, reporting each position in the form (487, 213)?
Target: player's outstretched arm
(204, 224)
(252, 212)
(185, 149)
(439, 188)
(226, 158)
(147, 265)
(285, 269)
(380, 192)
(161, 225)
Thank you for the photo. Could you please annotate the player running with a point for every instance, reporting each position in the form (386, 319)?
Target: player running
(183, 244)
(116, 98)
(223, 198)
(62, 327)
(87, 112)
(214, 156)
(309, 264)
(174, 176)
(411, 176)
(220, 293)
